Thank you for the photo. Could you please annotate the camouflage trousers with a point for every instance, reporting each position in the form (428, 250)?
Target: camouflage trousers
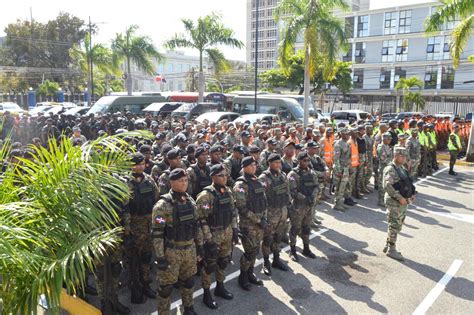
(376, 173)
(140, 228)
(273, 234)
(352, 180)
(300, 219)
(223, 239)
(252, 236)
(395, 218)
(111, 287)
(182, 268)
(414, 169)
(368, 172)
(423, 169)
(360, 174)
(342, 185)
(381, 191)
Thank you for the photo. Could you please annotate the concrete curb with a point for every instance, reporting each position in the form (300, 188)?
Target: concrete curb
(445, 157)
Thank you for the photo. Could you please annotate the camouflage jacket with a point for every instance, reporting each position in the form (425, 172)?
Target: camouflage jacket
(385, 155)
(342, 155)
(390, 177)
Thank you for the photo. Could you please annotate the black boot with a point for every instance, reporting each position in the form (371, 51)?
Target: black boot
(137, 296)
(208, 300)
(349, 201)
(244, 280)
(189, 311)
(149, 292)
(307, 252)
(90, 290)
(222, 292)
(106, 307)
(277, 263)
(120, 308)
(253, 278)
(267, 267)
(294, 254)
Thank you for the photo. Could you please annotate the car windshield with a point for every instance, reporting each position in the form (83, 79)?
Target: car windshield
(363, 116)
(297, 111)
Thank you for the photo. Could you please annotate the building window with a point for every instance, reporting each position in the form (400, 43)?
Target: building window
(170, 68)
(446, 48)
(433, 50)
(447, 77)
(431, 77)
(271, 33)
(260, 54)
(358, 78)
(348, 55)
(360, 53)
(270, 54)
(388, 50)
(402, 50)
(271, 23)
(385, 78)
(269, 64)
(390, 26)
(399, 74)
(269, 12)
(404, 22)
(363, 26)
(349, 27)
(160, 68)
(271, 43)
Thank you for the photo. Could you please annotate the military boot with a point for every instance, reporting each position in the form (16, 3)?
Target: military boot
(339, 206)
(307, 252)
(381, 204)
(253, 279)
(294, 254)
(222, 292)
(120, 308)
(277, 263)
(106, 307)
(349, 201)
(267, 267)
(392, 253)
(244, 280)
(208, 300)
(137, 297)
(149, 292)
(189, 311)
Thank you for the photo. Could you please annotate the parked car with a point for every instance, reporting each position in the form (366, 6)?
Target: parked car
(389, 116)
(468, 117)
(39, 109)
(77, 111)
(55, 110)
(190, 111)
(349, 116)
(134, 104)
(401, 116)
(253, 118)
(162, 108)
(11, 107)
(217, 116)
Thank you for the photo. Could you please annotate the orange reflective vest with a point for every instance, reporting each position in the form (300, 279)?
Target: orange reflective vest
(329, 150)
(406, 125)
(354, 153)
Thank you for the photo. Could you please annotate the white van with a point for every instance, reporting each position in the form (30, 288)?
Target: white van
(286, 108)
(349, 116)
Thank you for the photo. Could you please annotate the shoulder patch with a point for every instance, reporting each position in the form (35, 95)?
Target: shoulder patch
(160, 220)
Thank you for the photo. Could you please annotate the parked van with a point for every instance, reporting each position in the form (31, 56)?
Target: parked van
(113, 104)
(286, 108)
(349, 116)
(192, 110)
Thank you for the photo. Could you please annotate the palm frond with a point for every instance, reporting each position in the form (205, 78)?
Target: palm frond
(459, 38)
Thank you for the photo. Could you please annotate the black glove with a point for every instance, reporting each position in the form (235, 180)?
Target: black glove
(199, 251)
(211, 250)
(263, 223)
(309, 200)
(162, 263)
(235, 236)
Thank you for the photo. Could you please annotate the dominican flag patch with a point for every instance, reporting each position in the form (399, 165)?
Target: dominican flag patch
(160, 220)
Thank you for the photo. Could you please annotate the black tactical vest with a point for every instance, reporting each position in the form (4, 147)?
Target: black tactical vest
(277, 195)
(286, 167)
(256, 201)
(235, 170)
(405, 184)
(307, 183)
(202, 180)
(143, 198)
(318, 164)
(223, 209)
(183, 226)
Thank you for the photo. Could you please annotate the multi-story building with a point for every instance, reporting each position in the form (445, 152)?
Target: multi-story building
(389, 44)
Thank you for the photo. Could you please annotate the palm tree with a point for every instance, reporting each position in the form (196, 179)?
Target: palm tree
(204, 35)
(411, 98)
(323, 35)
(59, 216)
(448, 12)
(137, 49)
(102, 60)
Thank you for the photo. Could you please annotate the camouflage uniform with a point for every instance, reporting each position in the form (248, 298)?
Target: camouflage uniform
(385, 156)
(414, 155)
(143, 196)
(176, 235)
(370, 161)
(342, 164)
(319, 166)
(218, 216)
(232, 166)
(377, 140)
(303, 188)
(198, 179)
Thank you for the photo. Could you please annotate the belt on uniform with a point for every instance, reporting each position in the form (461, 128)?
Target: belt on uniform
(174, 246)
(217, 228)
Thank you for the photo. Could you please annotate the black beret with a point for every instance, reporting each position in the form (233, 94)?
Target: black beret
(312, 144)
(245, 134)
(137, 158)
(298, 146)
(254, 149)
(302, 155)
(239, 148)
(191, 148)
(273, 157)
(177, 173)
(217, 169)
(166, 148)
(200, 150)
(272, 141)
(216, 148)
(160, 136)
(172, 154)
(145, 149)
(246, 161)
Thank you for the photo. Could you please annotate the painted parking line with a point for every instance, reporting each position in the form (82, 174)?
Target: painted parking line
(236, 273)
(438, 289)
(431, 176)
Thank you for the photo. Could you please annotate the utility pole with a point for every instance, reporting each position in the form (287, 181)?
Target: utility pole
(256, 51)
(91, 63)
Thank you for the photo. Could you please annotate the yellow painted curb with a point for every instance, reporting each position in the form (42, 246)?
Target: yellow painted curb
(77, 306)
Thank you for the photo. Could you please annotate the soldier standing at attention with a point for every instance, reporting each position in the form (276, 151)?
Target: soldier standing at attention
(251, 203)
(399, 192)
(385, 155)
(218, 218)
(278, 197)
(303, 188)
(199, 173)
(143, 195)
(377, 141)
(342, 164)
(454, 147)
(369, 140)
(177, 238)
(414, 155)
(174, 160)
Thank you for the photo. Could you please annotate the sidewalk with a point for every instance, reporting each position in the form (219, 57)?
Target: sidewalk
(444, 156)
